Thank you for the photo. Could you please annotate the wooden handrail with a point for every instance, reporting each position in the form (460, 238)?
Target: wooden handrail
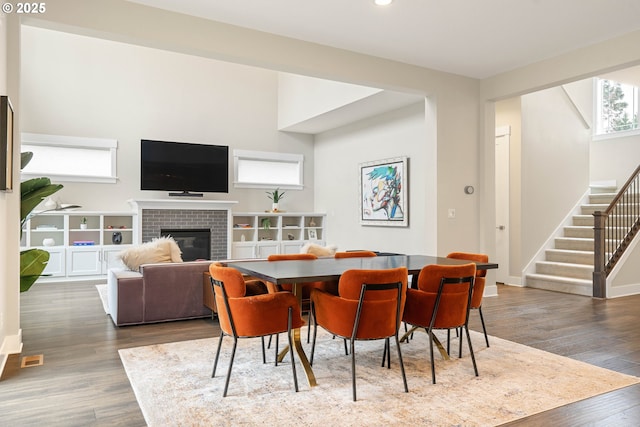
(614, 229)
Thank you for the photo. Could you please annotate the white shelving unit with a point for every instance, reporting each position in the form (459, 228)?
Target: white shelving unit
(77, 250)
(260, 234)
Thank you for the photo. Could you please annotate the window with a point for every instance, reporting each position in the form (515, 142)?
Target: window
(69, 158)
(616, 107)
(260, 169)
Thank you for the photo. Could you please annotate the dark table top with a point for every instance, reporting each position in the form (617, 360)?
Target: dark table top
(324, 269)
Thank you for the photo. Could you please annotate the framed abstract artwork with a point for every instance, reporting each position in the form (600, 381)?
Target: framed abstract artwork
(6, 144)
(383, 192)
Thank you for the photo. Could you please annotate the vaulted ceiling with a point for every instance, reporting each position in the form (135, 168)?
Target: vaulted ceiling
(472, 38)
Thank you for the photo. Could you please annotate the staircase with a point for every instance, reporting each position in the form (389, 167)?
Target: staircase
(568, 267)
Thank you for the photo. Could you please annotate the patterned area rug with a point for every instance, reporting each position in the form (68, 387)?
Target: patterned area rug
(173, 384)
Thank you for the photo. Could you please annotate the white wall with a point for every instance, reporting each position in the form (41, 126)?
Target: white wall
(82, 86)
(615, 158)
(555, 164)
(338, 154)
(302, 98)
(10, 332)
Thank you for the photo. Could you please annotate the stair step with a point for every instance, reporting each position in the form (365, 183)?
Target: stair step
(574, 243)
(583, 220)
(578, 231)
(589, 209)
(576, 271)
(560, 284)
(602, 198)
(572, 257)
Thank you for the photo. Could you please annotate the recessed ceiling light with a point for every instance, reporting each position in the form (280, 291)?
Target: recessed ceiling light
(382, 2)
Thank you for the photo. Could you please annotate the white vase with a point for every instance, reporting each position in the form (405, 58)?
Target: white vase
(274, 207)
(83, 226)
(48, 242)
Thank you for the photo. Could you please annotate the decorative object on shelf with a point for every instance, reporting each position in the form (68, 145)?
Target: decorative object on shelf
(32, 192)
(83, 223)
(313, 235)
(48, 242)
(242, 238)
(290, 236)
(312, 223)
(266, 223)
(383, 192)
(275, 196)
(116, 238)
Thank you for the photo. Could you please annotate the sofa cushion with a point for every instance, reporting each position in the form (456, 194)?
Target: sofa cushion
(159, 250)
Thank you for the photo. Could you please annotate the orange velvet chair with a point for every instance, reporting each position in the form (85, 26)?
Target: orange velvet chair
(242, 316)
(306, 287)
(355, 254)
(442, 301)
(478, 284)
(368, 306)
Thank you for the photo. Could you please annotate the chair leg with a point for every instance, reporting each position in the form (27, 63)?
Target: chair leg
(315, 332)
(277, 339)
(309, 326)
(433, 365)
(291, 349)
(473, 357)
(215, 363)
(384, 353)
(233, 355)
(346, 349)
(353, 368)
(264, 356)
(404, 376)
(269, 343)
(484, 329)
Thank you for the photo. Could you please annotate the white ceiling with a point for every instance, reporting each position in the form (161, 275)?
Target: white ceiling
(474, 38)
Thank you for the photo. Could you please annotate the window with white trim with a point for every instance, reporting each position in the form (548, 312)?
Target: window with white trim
(70, 158)
(262, 169)
(616, 107)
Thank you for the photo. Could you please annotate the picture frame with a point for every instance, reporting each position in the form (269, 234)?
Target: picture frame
(313, 234)
(383, 192)
(6, 144)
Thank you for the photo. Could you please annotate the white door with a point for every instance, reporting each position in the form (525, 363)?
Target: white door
(502, 203)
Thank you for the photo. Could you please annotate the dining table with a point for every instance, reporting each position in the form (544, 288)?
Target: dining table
(298, 272)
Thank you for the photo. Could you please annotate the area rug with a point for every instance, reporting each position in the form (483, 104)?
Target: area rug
(102, 291)
(173, 385)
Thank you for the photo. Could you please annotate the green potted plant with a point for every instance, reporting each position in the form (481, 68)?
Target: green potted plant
(32, 192)
(275, 196)
(83, 223)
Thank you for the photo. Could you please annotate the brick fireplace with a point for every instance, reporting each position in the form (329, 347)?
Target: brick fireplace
(156, 215)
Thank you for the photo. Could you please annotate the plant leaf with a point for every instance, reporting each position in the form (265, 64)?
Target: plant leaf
(33, 192)
(25, 158)
(32, 264)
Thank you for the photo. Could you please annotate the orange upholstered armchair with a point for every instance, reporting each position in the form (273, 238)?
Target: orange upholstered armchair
(242, 316)
(442, 301)
(368, 306)
(478, 284)
(355, 254)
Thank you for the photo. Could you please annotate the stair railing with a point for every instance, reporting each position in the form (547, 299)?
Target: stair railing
(613, 231)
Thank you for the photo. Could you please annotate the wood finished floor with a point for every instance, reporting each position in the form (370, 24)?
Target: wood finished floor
(83, 383)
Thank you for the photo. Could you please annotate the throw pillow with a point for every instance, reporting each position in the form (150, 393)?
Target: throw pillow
(163, 249)
(317, 250)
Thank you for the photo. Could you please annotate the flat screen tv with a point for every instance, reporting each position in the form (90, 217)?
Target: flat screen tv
(189, 168)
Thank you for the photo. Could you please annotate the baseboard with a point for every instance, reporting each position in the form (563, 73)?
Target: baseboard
(12, 344)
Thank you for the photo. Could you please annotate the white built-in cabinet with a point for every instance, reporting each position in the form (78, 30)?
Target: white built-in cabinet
(258, 235)
(81, 244)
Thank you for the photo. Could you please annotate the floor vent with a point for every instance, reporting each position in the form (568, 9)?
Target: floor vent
(29, 361)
